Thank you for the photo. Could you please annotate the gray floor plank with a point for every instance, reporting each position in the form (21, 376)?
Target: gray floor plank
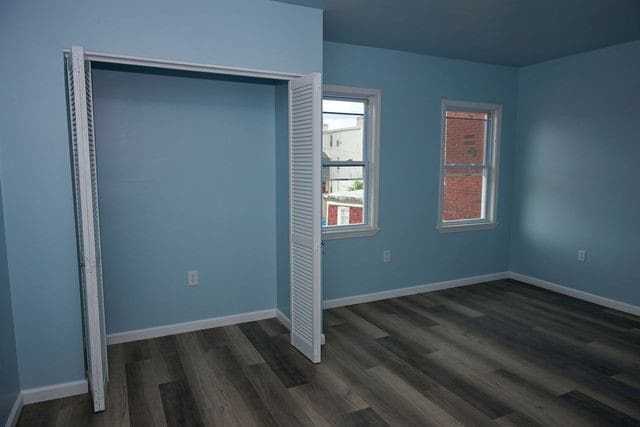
(495, 353)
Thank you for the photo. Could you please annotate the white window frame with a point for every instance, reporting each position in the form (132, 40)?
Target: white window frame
(371, 158)
(492, 156)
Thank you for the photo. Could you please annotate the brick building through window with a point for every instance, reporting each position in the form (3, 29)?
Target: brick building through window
(463, 188)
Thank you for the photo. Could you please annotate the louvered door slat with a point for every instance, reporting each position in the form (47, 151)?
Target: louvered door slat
(87, 221)
(305, 97)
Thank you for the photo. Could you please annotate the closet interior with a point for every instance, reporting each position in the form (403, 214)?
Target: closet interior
(171, 229)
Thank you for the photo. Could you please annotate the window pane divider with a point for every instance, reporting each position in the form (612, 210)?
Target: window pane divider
(343, 114)
(463, 118)
(336, 163)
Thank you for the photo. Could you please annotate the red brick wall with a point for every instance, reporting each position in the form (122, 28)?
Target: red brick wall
(355, 215)
(333, 215)
(465, 139)
(462, 197)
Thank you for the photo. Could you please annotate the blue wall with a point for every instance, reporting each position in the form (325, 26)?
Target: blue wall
(577, 183)
(9, 382)
(33, 132)
(413, 87)
(186, 177)
(572, 104)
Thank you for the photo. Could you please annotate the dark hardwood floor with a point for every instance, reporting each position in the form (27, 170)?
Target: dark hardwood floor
(494, 353)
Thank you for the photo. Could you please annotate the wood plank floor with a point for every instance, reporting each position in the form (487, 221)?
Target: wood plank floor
(497, 353)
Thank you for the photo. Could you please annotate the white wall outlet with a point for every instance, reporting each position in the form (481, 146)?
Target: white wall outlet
(582, 255)
(386, 255)
(192, 278)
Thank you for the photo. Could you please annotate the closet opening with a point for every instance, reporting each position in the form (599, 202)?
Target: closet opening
(179, 189)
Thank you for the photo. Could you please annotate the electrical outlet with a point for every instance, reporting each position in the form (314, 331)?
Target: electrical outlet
(386, 256)
(192, 278)
(582, 255)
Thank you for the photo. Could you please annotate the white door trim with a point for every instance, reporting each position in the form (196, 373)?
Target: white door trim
(95, 336)
(185, 66)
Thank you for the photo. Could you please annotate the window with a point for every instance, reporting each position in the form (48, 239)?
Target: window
(469, 166)
(343, 215)
(350, 126)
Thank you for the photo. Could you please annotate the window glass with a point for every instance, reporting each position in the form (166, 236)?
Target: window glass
(343, 131)
(467, 188)
(343, 195)
(343, 106)
(462, 194)
(465, 137)
(350, 126)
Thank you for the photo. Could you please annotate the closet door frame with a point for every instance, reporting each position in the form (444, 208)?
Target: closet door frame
(87, 222)
(165, 64)
(101, 57)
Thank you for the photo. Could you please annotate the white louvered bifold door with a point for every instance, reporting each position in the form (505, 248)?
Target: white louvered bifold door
(305, 125)
(87, 221)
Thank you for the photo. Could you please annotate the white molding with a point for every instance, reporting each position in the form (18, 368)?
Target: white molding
(196, 325)
(491, 203)
(429, 287)
(372, 151)
(57, 391)
(284, 319)
(185, 66)
(346, 234)
(16, 409)
(341, 91)
(586, 296)
(54, 391)
(87, 214)
(476, 226)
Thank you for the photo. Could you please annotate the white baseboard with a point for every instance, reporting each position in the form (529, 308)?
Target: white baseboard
(196, 325)
(429, 287)
(54, 391)
(586, 296)
(16, 409)
(284, 319)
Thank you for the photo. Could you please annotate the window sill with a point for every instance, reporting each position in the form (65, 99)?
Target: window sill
(466, 227)
(346, 234)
